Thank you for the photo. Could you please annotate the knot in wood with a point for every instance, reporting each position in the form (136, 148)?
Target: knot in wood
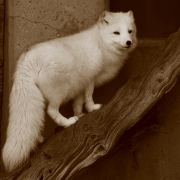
(46, 155)
(93, 137)
(160, 80)
(101, 149)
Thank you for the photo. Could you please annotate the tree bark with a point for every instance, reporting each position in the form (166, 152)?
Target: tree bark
(95, 134)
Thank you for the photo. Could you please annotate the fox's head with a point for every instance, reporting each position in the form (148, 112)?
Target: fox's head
(118, 30)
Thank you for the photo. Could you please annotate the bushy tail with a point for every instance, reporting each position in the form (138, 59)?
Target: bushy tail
(26, 119)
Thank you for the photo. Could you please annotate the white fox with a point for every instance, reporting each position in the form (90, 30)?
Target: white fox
(59, 70)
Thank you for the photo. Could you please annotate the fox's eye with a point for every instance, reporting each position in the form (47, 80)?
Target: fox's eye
(106, 21)
(130, 31)
(116, 32)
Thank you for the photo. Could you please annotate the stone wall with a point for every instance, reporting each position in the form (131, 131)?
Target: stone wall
(1, 39)
(31, 22)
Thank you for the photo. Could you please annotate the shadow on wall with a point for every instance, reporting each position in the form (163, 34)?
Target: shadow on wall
(153, 18)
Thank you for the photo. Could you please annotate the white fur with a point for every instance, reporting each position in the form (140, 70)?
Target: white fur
(59, 70)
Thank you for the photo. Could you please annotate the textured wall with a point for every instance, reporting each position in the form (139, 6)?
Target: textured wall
(1, 40)
(35, 21)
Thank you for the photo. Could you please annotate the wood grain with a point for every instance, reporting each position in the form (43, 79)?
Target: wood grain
(63, 155)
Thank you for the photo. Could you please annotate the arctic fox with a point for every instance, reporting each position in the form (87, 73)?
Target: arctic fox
(61, 69)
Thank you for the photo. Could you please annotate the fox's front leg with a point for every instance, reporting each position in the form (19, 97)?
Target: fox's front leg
(89, 103)
(78, 105)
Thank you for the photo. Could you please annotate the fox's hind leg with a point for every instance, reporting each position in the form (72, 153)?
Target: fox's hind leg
(89, 103)
(54, 101)
(53, 111)
(56, 90)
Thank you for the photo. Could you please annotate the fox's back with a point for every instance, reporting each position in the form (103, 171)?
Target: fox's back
(98, 51)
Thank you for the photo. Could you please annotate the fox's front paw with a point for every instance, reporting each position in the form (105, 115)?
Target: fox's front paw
(97, 106)
(71, 121)
(93, 107)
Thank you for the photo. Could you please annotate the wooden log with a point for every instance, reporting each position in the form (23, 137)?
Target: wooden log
(94, 135)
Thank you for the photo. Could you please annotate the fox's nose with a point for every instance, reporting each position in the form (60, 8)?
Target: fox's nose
(128, 43)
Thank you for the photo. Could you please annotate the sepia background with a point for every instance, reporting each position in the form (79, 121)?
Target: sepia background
(151, 149)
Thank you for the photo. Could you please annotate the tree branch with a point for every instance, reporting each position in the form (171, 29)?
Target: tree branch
(95, 134)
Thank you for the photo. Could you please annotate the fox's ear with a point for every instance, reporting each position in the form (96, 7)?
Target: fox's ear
(104, 17)
(130, 13)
